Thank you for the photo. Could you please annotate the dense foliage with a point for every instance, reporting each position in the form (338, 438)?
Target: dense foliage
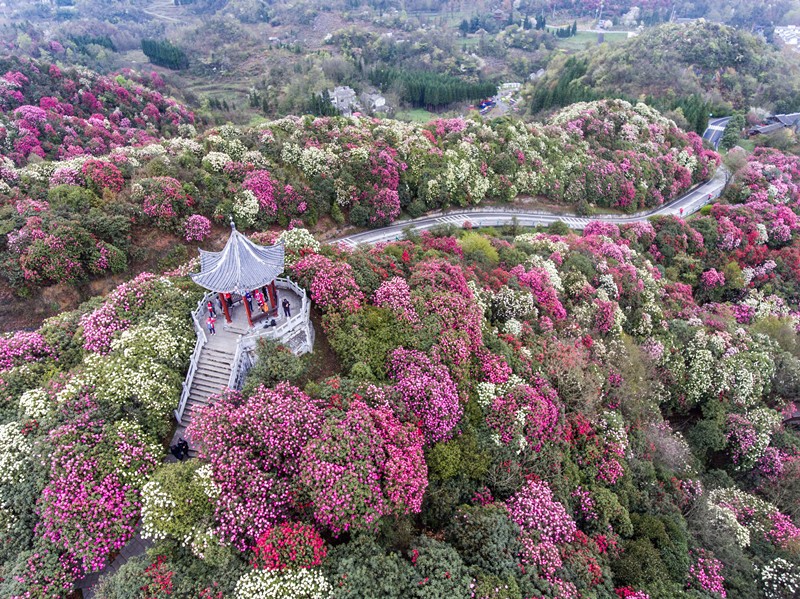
(673, 62)
(69, 221)
(543, 415)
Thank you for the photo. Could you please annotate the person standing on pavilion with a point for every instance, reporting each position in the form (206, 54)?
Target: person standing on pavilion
(287, 308)
(249, 299)
(210, 324)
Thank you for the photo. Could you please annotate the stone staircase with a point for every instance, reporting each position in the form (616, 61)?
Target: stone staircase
(213, 372)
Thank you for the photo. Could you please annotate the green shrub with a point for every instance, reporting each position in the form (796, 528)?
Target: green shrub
(361, 568)
(478, 248)
(439, 571)
(485, 537)
(275, 363)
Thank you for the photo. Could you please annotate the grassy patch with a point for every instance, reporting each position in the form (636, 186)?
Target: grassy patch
(415, 115)
(584, 38)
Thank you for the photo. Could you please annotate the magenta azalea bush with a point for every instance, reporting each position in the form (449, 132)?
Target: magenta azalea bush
(196, 228)
(365, 464)
(427, 392)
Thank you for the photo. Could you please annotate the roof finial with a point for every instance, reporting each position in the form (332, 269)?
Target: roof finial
(233, 224)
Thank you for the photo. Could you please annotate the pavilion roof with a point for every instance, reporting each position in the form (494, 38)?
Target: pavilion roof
(240, 266)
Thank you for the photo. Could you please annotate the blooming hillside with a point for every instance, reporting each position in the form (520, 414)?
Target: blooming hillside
(60, 114)
(70, 220)
(516, 414)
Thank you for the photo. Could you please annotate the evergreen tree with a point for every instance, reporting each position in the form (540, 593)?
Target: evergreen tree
(733, 131)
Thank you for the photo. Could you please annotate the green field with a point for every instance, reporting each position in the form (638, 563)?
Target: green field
(415, 115)
(584, 38)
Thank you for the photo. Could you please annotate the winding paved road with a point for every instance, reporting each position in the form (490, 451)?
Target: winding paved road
(497, 216)
(716, 127)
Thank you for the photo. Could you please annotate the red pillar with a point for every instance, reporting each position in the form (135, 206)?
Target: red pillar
(273, 298)
(224, 303)
(247, 309)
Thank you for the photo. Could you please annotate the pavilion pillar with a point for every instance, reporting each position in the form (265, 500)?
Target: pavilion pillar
(273, 298)
(225, 309)
(247, 309)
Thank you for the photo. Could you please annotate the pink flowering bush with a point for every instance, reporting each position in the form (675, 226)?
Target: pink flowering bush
(85, 509)
(395, 294)
(256, 446)
(527, 415)
(712, 278)
(60, 114)
(114, 316)
(545, 525)
(163, 198)
(705, 574)
(264, 188)
(363, 465)
(23, 348)
(427, 392)
(196, 228)
(331, 283)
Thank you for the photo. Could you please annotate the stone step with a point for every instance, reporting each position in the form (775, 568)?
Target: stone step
(207, 389)
(214, 363)
(211, 376)
(212, 355)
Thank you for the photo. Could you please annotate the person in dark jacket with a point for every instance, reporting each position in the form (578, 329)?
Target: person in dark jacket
(287, 308)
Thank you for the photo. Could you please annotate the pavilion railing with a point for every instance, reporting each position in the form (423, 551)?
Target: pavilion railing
(245, 347)
(202, 338)
(302, 316)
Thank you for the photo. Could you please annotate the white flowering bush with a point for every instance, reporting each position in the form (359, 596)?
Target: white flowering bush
(14, 454)
(165, 340)
(297, 241)
(216, 161)
(35, 403)
(508, 303)
(289, 584)
(245, 207)
(178, 503)
(780, 579)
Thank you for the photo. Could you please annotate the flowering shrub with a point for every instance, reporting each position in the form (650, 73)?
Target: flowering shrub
(297, 243)
(705, 574)
(395, 295)
(298, 584)
(289, 545)
(780, 579)
(85, 509)
(102, 175)
(427, 392)
(255, 448)
(364, 464)
(544, 523)
(162, 198)
(331, 283)
(196, 228)
(21, 348)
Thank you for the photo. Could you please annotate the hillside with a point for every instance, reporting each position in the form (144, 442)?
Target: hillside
(123, 198)
(721, 65)
(508, 414)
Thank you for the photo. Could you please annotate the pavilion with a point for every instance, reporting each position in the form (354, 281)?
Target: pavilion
(241, 267)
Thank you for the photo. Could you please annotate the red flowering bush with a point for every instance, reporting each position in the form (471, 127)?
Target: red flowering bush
(289, 545)
(102, 175)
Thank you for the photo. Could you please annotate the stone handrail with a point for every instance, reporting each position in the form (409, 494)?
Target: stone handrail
(202, 338)
(243, 359)
(302, 315)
